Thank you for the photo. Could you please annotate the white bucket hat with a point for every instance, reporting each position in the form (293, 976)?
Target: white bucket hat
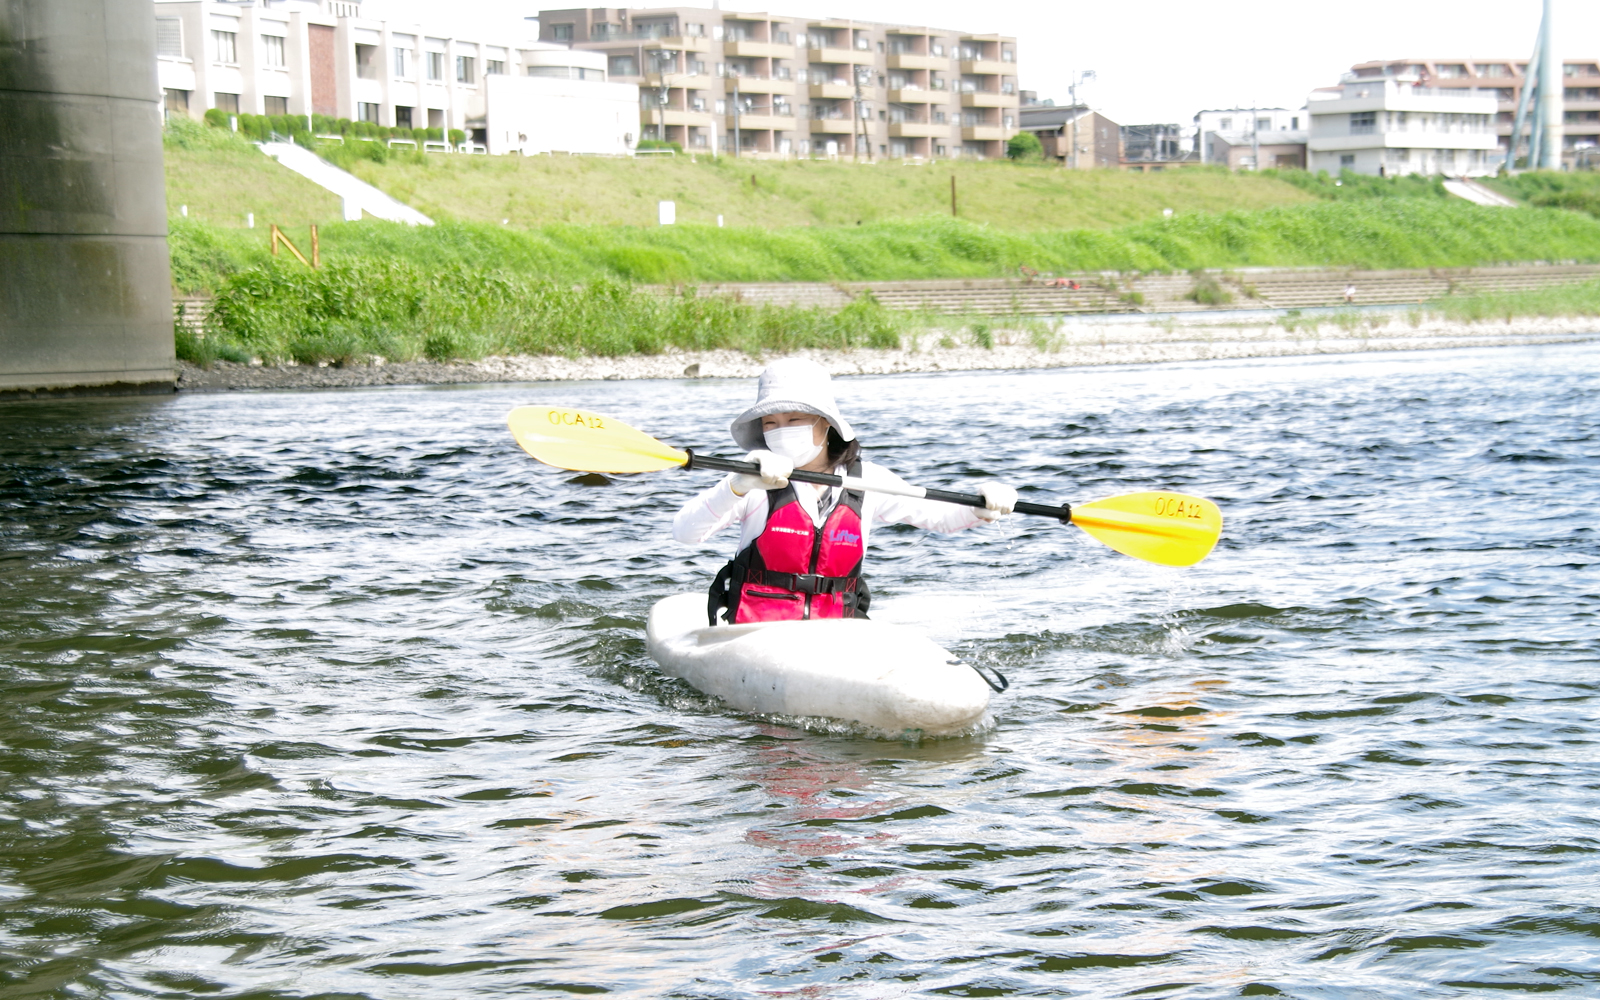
(793, 385)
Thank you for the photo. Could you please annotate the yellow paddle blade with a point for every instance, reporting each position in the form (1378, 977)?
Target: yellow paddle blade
(588, 442)
(1167, 528)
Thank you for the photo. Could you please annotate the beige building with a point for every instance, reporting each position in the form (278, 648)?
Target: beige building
(1074, 136)
(1503, 80)
(770, 85)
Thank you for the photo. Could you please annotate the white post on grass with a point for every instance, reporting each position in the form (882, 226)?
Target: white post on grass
(667, 212)
(249, 220)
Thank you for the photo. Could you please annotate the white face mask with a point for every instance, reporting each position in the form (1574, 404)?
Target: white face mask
(794, 443)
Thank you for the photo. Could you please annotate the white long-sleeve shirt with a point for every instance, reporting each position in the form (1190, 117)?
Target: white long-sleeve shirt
(716, 508)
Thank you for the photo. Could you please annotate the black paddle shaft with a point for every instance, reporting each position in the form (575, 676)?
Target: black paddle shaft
(1062, 513)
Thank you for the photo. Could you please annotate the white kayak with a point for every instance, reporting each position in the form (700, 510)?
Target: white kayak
(888, 677)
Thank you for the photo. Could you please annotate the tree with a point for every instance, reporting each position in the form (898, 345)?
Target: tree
(1024, 146)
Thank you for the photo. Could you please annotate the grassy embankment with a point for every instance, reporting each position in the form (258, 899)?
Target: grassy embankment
(466, 288)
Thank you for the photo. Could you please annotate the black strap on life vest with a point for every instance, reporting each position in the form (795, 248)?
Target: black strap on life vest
(723, 595)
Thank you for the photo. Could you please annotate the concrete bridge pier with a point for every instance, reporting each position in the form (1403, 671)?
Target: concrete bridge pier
(85, 283)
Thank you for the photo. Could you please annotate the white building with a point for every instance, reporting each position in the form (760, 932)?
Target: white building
(1389, 127)
(1219, 134)
(374, 61)
(561, 103)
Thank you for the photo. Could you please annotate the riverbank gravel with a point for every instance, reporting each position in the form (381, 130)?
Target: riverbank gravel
(1070, 344)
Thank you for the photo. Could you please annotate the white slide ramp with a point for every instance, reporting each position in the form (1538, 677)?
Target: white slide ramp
(357, 194)
(1478, 194)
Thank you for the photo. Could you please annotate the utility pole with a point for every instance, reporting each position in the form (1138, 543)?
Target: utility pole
(1072, 90)
(737, 108)
(859, 135)
(1255, 138)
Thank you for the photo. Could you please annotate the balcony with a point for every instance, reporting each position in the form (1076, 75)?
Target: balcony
(908, 60)
(918, 130)
(987, 67)
(681, 43)
(981, 133)
(917, 95)
(839, 56)
(759, 85)
(694, 81)
(832, 91)
(758, 50)
(987, 99)
(675, 116)
(757, 122)
(833, 126)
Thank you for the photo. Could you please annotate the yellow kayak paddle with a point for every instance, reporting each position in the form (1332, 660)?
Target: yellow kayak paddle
(1171, 529)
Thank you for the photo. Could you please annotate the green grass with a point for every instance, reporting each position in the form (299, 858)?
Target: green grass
(221, 176)
(1375, 233)
(1351, 186)
(1562, 300)
(349, 311)
(1579, 191)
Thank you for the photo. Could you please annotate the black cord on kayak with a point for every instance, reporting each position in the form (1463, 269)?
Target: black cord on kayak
(997, 688)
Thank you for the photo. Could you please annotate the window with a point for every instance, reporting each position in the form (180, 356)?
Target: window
(561, 32)
(939, 118)
(781, 73)
(624, 66)
(1294, 124)
(1225, 124)
(1347, 159)
(226, 102)
(466, 69)
(436, 65)
(275, 105)
(169, 37)
(938, 151)
(402, 63)
(695, 31)
(699, 67)
(1008, 55)
(367, 62)
(402, 117)
(1363, 122)
(938, 50)
(1263, 124)
(272, 51)
(226, 45)
(175, 102)
(494, 67)
(368, 112)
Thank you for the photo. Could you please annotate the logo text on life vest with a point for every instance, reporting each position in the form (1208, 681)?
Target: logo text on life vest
(843, 537)
(572, 418)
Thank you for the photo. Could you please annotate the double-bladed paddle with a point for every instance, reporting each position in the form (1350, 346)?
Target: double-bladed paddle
(1160, 527)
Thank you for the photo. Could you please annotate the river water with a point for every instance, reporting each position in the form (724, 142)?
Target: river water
(337, 695)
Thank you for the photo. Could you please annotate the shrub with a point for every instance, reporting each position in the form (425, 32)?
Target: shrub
(1024, 146)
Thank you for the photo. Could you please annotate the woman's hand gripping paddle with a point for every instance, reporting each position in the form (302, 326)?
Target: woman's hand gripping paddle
(1160, 527)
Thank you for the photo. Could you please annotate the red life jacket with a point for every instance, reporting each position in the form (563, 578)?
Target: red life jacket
(794, 570)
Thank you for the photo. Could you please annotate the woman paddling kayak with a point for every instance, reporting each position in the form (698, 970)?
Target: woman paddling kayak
(801, 545)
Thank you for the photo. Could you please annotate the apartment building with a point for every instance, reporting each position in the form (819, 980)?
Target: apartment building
(1503, 79)
(348, 59)
(769, 85)
(1392, 125)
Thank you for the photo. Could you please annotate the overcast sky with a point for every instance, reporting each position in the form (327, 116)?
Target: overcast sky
(1163, 60)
